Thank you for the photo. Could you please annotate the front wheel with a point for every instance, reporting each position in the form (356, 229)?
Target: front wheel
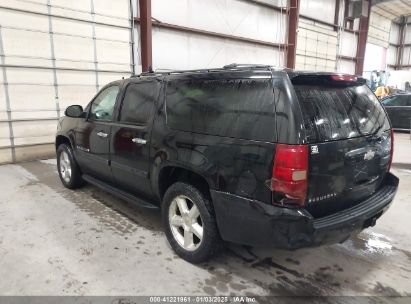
(69, 171)
(190, 224)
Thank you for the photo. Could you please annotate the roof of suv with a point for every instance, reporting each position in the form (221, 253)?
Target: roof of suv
(234, 67)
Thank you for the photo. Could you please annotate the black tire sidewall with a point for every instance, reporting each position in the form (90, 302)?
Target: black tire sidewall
(211, 239)
(75, 179)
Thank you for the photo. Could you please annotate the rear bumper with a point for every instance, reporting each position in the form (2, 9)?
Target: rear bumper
(254, 223)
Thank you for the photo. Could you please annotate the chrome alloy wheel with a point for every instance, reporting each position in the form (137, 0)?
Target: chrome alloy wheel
(65, 166)
(185, 223)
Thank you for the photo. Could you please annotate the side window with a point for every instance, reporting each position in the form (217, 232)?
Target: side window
(103, 105)
(241, 108)
(396, 101)
(138, 103)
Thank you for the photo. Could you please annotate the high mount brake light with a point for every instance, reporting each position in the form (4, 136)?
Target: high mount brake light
(343, 77)
(289, 175)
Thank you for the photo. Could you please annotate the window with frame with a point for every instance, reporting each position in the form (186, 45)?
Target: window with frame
(398, 100)
(138, 103)
(241, 108)
(102, 107)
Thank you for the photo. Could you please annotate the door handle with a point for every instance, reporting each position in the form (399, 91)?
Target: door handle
(139, 141)
(102, 134)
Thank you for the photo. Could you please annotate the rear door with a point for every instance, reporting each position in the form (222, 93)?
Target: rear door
(131, 135)
(350, 141)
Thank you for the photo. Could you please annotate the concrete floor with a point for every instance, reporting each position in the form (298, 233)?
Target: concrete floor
(54, 241)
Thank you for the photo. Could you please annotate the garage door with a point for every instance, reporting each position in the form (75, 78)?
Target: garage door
(53, 54)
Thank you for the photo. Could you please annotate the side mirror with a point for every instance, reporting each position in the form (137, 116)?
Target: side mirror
(75, 111)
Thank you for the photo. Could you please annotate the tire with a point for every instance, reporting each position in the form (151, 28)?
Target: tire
(67, 167)
(181, 223)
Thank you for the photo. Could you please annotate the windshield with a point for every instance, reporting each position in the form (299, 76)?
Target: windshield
(333, 113)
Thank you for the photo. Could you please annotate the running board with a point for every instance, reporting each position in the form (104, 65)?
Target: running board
(119, 193)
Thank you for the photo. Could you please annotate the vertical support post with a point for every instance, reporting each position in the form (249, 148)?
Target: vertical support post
(7, 98)
(93, 17)
(293, 16)
(400, 49)
(348, 22)
(362, 37)
(337, 13)
(145, 34)
(53, 59)
(132, 29)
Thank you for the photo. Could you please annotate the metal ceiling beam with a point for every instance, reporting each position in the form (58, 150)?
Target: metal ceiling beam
(267, 5)
(211, 34)
(146, 45)
(293, 16)
(362, 39)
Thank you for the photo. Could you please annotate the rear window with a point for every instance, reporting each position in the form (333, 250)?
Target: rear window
(332, 113)
(240, 108)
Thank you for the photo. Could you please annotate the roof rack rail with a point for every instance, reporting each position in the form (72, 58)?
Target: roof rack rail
(207, 70)
(246, 65)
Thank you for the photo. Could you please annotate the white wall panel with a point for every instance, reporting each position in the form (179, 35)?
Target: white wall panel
(190, 51)
(316, 47)
(348, 44)
(88, 54)
(406, 56)
(75, 94)
(319, 9)
(346, 66)
(392, 55)
(379, 30)
(375, 57)
(15, 43)
(394, 33)
(407, 38)
(232, 17)
(13, 19)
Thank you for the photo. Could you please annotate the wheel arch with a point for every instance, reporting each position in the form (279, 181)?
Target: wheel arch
(61, 139)
(171, 174)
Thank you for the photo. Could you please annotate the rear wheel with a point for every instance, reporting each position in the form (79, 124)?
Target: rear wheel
(69, 171)
(190, 223)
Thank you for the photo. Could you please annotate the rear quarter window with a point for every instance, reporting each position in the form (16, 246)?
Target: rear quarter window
(333, 113)
(242, 108)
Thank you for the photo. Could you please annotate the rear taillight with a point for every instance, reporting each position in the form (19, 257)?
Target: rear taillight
(344, 77)
(289, 177)
(392, 149)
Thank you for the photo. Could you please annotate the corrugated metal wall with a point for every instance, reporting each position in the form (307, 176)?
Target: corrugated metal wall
(320, 46)
(176, 50)
(379, 29)
(60, 52)
(316, 47)
(53, 54)
(406, 54)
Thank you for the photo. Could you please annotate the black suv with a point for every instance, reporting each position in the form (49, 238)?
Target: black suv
(245, 153)
(398, 108)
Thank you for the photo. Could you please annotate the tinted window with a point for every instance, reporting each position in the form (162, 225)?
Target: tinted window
(397, 101)
(235, 108)
(332, 113)
(138, 103)
(103, 105)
